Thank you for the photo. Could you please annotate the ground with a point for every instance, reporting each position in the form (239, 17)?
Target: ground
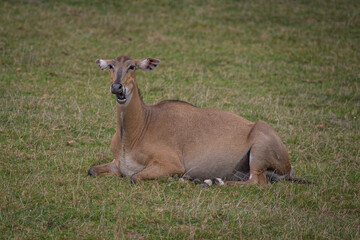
(293, 64)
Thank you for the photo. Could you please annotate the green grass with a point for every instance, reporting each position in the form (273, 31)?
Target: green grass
(294, 64)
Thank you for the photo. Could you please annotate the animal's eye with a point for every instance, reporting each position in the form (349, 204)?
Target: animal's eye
(111, 66)
(132, 67)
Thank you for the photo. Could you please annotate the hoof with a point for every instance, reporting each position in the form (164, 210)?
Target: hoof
(204, 185)
(133, 179)
(91, 172)
(197, 181)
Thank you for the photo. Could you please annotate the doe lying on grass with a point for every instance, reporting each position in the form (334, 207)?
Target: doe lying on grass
(177, 138)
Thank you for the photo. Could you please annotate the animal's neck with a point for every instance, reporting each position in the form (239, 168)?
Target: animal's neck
(131, 120)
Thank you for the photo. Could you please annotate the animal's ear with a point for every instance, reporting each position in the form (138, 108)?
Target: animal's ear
(147, 64)
(103, 64)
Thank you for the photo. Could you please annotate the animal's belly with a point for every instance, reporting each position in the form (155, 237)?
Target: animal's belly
(128, 166)
(210, 170)
(214, 164)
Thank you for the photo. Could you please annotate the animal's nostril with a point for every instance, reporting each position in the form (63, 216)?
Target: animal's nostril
(116, 88)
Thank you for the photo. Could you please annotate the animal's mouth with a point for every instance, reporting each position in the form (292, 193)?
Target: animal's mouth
(121, 97)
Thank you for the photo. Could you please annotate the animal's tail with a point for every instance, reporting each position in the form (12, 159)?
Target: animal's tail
(299, 180)
(273, 177)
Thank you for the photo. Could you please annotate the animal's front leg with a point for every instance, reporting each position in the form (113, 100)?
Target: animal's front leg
(158, 169)
(108, 168)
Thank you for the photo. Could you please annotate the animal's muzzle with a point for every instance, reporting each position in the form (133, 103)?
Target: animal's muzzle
(117, 88)
(120, 92)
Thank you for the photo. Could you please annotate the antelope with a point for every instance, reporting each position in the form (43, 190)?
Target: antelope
(176, 138)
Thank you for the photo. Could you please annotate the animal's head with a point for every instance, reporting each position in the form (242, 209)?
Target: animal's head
(122, 75)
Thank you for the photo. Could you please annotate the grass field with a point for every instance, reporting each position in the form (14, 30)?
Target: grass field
(293, 64)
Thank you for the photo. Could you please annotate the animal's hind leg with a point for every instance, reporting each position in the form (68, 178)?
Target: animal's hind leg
(257, 178)
(259, 163)
(267, 153)
(257, 173)
(260, 159)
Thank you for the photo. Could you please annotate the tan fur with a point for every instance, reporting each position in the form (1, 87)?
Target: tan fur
(169, 138)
